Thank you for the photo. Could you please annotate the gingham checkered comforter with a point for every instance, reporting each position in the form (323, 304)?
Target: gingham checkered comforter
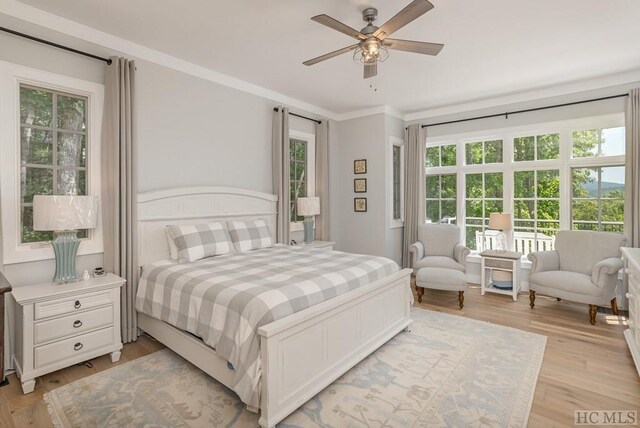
(225, 299)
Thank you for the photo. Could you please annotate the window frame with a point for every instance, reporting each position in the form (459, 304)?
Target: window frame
(11, 77)
(564, 164)
(391, 143)
(310, 168)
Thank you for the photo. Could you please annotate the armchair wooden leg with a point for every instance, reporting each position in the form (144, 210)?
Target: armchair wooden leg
(532, 298)
(419, 292)
(593, 310)
(614, 306)
(461, 299)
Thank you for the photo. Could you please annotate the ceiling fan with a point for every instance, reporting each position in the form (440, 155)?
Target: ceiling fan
(373, 41)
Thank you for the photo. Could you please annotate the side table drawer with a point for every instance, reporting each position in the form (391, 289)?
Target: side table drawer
(497, 263)
(47, 330)
(70, 305)
(74, 346)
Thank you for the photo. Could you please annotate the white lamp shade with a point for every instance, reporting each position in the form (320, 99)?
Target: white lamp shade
(64, 212)
(500, 221)
(308, 206)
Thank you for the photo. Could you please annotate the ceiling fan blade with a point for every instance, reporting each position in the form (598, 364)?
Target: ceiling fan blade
(370, 69)
(412, 46)
(330, 55)
(338, 26)
(413, 10)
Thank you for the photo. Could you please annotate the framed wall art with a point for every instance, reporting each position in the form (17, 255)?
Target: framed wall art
(360, 166)
(360, 205)
(360, 185)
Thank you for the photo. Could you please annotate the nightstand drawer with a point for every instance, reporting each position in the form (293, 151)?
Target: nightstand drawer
(45, 331)
(70, 305)
(500, 264)
(74, 346)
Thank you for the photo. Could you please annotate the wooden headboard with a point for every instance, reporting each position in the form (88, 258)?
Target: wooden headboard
(188, 205)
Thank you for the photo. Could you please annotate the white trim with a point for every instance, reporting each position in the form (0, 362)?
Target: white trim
(571, 88)
(310, 139)
(564, 164)
(155, 195)
(11, 76)
(393, 142)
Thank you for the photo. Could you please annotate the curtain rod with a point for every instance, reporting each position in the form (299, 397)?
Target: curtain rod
(301, 116)
(55, 45)
(506, 114)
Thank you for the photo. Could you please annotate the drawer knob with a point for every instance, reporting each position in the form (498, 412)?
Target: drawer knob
(77, 324)
(77, 304)
(628, 295)
(77, 346)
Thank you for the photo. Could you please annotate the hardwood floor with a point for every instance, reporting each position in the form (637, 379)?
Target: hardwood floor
(584, 367)
(18, 410)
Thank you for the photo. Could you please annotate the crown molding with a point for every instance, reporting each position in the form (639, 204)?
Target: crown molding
(527, 96)
(70, 28)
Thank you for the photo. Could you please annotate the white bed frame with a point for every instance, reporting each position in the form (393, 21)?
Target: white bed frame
(302, 353)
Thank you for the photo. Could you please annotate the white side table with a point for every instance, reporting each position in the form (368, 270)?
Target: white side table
(58, 325)
(325, 245)
(506, 261)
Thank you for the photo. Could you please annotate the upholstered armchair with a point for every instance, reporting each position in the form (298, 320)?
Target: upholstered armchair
(438, 246)
(583, 268)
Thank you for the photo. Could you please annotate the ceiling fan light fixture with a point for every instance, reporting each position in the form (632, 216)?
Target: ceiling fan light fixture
(366, 54)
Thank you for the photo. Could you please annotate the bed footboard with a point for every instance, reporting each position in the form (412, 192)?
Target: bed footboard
(305, 352)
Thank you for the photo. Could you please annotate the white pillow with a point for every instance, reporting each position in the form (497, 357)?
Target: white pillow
(173, 250)
(250, 235)
(197, 241)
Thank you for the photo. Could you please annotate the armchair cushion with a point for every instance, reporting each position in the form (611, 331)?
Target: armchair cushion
(543, 261)
(581, 250)
(460, 253)
(605, 269)
(439, 239)
(439, 262)
(569, 282)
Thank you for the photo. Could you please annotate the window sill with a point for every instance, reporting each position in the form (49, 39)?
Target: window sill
(46, 253)
(396, 224)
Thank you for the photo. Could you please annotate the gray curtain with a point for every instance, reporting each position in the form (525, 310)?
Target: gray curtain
(280, 162)
(119, 187)
(632, 170)
(414, 197)
(322, 180)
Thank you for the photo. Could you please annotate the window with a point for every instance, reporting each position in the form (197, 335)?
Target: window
(598, 198)
(536, 208)
(49, 144)
(444, 155)
(441, 198)
(483, 195)
(598, 142)
(538, 147)
(483, 152)
(301, 172)
(53, 151)
(396, 165)
(550, 176)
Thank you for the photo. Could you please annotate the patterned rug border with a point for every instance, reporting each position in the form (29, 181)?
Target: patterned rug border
(58, 420)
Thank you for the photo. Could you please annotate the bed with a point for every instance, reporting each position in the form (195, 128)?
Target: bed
(299, 351)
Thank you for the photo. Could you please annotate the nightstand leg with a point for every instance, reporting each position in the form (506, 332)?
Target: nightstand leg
(115, 356)
(28, 386)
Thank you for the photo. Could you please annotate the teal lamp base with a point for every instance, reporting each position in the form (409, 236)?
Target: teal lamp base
(308, 230)
(65, 247)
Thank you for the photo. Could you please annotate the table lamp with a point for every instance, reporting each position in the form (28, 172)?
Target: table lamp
(65, 214)
(308, 207)
(500, 222)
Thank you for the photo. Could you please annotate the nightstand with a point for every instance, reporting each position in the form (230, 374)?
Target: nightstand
(58, 325)
(325, 245)
(494, 261)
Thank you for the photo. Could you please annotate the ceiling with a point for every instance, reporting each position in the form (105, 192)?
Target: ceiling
(492, 47)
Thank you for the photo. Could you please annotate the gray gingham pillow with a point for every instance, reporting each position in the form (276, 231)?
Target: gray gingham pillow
(197, 241)
(250, 235)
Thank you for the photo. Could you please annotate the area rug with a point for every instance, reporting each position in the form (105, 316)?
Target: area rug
(448, 371)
